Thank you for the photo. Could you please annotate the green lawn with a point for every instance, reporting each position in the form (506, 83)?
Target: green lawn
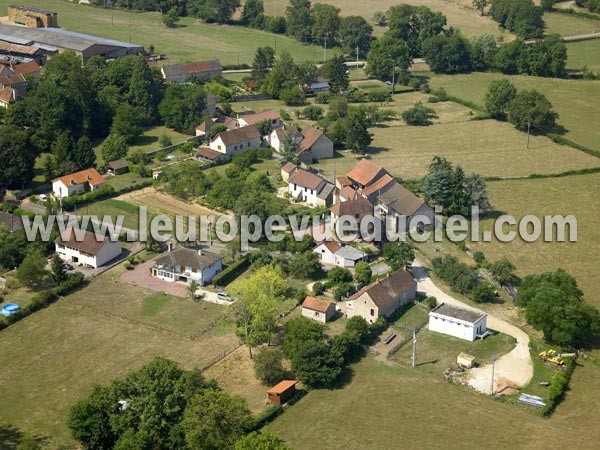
(386, 407)
(111, 209)
(569, 25)
(584, 53)
(567, 195)
(575, 100)
(51, 359)
(436, 351)
(192, 40)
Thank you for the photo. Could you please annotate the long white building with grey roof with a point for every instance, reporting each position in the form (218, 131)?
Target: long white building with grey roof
(56, 40)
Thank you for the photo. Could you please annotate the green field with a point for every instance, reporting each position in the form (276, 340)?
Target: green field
(575, 100)
(568, 195)
(112, 209)
(486, 146)
(398, 407)
(584, 54)
(192, 40)
(51, 359)
(569, 25)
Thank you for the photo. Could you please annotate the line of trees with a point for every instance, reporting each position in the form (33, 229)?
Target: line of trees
(528, 109)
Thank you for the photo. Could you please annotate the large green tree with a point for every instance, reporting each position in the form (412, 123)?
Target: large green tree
(260, 441)
(215, 420)
(355, 32)
(17, 158)
(32, 270)
(263, 61)
(387, 55)
(554, 304)
(336, 71)
(398, 255)
(299, 19)
(114, 147)
(325, 21)
(447, 53)
(317, 364)
(183, 107)
(498, 96)
(532, 109)
(220, 11)
(297, 332)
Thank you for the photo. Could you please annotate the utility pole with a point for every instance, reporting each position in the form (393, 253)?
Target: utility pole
(493, 367)
(393, 76)
(325, 50)
(357, 56)
(414, 347)
(528, 130)
(112, 14)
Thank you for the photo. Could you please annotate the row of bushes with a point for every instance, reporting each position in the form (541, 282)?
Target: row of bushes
(46, 298)
(564, 141)
(463, 279)
(558, 387)
(232, 272)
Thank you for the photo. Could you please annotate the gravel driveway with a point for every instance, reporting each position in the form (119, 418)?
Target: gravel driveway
(515, 366)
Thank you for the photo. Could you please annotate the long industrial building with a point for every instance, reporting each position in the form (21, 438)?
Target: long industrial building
(50, 41)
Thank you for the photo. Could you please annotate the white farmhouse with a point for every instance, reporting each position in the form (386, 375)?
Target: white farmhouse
(236, 141)
(319, 310)
(76, 183)
(334, 254)
(187, 265)
(383, 297)
(307, 187)
(462, 323)
(315, 145)
(86, 248)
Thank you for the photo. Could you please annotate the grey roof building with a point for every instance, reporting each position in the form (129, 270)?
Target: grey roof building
(55, 40)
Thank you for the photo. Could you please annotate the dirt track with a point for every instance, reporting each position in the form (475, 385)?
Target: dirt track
(515, 366)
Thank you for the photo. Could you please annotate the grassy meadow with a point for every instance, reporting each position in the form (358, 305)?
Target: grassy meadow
(569, 25)
(576, 101)
(192, 40)
(584, 54)
(51, 359)
(568, 195)
(387, 407)
(488, 147)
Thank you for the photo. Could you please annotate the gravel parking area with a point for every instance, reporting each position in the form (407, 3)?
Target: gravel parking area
(140, 276)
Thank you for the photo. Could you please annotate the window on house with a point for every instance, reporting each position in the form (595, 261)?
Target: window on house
(372, 312)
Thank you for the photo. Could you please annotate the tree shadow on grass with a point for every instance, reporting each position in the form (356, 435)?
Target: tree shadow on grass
(424, 363)
(142, 141)
(10, 437)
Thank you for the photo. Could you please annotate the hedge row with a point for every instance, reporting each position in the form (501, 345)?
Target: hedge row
(564, 141)
(558, 387)
(232, 272)
(266, 416)
(45, 299)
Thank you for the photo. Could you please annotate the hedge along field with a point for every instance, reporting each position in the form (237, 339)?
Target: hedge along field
(192, 40)
(575, 100)
(460, 13)
(569, 24)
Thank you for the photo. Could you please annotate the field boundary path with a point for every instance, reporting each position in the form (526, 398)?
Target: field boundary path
(515, 366)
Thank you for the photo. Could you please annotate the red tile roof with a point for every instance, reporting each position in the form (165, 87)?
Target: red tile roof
(207, 153)
(91, 243)
(252, 119)
(365, 172)
(316, 305)
(306, 179)
(289, 167)
(7, 94)
(90, 175)
(379, 185)
(27, 68)
(388, 289)
(333, 246)
(311, 135)
(359, 207)
(348, 192)
(282, 386)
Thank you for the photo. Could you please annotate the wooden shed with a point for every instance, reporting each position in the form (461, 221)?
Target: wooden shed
(282, 392)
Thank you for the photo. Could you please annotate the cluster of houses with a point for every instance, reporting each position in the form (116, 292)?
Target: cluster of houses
(13, 84)
(242, 133)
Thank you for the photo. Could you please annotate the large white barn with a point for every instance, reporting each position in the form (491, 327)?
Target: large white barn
(462, 323)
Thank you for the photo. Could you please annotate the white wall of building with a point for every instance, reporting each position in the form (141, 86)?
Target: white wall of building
(185, 274)
(456, 327)
(109, 251)
(305, 194)
(318, 315)
(234, 149)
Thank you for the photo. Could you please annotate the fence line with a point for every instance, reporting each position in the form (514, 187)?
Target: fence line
(220, 356)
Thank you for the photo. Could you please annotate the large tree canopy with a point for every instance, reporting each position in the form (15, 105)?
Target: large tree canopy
(17, 158)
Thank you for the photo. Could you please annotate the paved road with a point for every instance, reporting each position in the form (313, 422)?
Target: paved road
(515, 367)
